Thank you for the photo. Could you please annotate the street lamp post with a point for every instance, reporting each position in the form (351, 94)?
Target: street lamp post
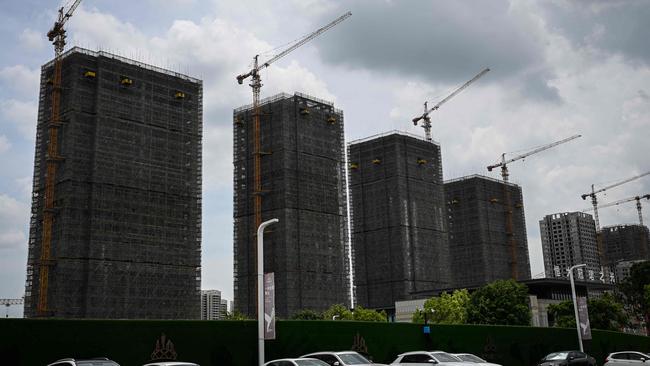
(260, 288)
(575, 302)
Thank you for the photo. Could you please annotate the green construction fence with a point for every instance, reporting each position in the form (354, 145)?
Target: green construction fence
(37, 342)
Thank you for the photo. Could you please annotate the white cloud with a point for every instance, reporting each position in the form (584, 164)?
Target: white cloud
(21, 116)
(21, 79)
(14, 217)
(4, 144)
(32, 40)
(217, 158)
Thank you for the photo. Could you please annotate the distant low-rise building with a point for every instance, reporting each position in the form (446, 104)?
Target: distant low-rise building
(622, 268)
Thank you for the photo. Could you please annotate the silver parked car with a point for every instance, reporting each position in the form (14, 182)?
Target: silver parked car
(296, 362)
(626, 358)
(171, 363)
(418, 358)
(468, 357)
(344, 358)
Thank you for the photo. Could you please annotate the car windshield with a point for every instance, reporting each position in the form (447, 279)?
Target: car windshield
(471, 358)
(352, 359)
(444, 357)
(557, 356)
(310, 363)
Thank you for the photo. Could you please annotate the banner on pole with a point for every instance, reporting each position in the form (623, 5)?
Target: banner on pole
(583, 315)
(269, 306)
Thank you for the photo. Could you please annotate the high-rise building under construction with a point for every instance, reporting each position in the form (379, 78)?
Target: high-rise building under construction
(625, 243)
(126, 235)
(302, 185)
(399, 231)
(483, 247)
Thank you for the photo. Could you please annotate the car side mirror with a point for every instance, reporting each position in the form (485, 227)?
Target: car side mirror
(336, 363)
(643, 359)
(433, 362)
(571, 358)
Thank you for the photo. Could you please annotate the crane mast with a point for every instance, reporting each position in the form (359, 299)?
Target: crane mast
(57, 36)
(594, 192)
(256, 85)
(425, 116)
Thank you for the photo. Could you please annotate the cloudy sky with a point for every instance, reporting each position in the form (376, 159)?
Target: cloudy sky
(558, 68)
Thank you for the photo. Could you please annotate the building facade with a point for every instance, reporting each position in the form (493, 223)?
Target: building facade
(569, 239)
(303, 185)
(126, 238)
(479, 235)
(213, 307)
(625, 243)
(399, 230)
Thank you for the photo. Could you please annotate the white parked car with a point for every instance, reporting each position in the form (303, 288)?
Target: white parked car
(626, 358)
(99, 361)
(468, 357)
(345, 358)
(296, 362)
(171, 363)
(418, 358)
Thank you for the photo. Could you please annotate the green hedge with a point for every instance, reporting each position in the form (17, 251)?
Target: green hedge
(130, 342)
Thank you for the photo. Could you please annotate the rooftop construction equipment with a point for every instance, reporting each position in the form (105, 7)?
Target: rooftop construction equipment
(256, 85)
(425, 116)
(594, 192)
(504, 173)
(57, 36)
(625, 200)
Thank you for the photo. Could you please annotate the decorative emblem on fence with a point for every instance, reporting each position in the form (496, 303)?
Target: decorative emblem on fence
(164, 349)
(359, 344)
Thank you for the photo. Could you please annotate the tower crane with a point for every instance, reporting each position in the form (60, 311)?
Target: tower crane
(425, 116)
(504, 163)
(506, 193)
(625, 200)
(594, 192)
(8, 302)
(256, 85)
(57, 36)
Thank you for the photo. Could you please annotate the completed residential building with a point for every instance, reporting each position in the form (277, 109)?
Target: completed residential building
(569, 239)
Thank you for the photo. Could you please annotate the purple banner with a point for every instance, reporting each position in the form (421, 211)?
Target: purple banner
(269, 306)
(583, 315)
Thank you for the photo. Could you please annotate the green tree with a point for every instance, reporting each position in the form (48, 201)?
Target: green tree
(500, 302)
(635, 293)
(236, 315)
(340, 312)
(445, 309)
(368, 315)
(604, 313)
(563, 314)
(307, 314)
(337, 312)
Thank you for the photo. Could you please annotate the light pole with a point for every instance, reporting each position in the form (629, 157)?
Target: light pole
(260, 289)
(575, 302)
